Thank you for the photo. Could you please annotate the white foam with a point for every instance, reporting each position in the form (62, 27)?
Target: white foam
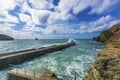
(73, 40)
(98, 50)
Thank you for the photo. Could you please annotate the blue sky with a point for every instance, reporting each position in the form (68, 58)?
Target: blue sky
(48, 19)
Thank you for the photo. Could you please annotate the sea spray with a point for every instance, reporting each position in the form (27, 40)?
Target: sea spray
(73, 40)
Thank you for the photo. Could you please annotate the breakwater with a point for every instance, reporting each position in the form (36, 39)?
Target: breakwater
(25, 55)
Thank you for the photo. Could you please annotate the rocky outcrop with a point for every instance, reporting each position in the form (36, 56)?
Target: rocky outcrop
(107, 62)
(5, 37)
(107, 34)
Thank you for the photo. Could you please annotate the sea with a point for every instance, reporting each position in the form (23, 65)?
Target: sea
(68, 63)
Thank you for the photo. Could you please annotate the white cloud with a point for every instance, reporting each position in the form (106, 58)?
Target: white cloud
(76, 6)
(56, 21)
(7, 20)
(32, 29)
(102, 20)
(24, 17)
(103, 6)
(56, 18)
(39, 16)
(22, 34)
(61, 29)
(82, 4)
(17, 34)
(41, 4)
(24, 6)
(102, 23)
(97, 6)
(7, 4)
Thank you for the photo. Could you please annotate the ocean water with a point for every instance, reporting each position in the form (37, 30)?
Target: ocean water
(65, 63)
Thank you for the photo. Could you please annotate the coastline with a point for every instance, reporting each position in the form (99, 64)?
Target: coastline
(107, 62)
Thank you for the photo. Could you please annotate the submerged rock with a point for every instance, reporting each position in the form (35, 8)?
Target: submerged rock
(5, 37)
(107, 63)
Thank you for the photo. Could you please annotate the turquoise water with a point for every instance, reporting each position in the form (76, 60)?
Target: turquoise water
(76, 59)
(16, 45)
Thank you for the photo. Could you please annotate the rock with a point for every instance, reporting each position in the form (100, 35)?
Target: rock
(96, 39)
(107, 34)
(36, 38)
(107, 62)
(5, 37)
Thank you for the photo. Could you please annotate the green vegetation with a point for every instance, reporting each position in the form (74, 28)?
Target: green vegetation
(5, 37)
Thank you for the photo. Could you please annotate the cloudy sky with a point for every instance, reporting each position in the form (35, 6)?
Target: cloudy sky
(26, 19)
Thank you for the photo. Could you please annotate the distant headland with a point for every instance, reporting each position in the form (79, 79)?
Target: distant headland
(5, 37)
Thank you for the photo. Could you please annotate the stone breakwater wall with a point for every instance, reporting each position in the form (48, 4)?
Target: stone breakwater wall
(25, 55)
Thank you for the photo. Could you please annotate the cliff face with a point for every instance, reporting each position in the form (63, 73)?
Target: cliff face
(5, 37)
(107, 34)
(107, 63)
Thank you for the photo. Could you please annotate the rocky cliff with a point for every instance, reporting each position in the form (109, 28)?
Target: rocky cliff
(5, 37)
(107, 62)
(107, 34)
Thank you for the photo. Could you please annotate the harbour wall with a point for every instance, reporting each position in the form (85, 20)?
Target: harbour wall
(25, 55)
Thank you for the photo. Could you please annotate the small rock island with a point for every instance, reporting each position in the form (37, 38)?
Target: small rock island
(36, 38)
(5, 37)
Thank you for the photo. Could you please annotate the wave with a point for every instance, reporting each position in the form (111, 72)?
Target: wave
(73, 40)
(98, 50)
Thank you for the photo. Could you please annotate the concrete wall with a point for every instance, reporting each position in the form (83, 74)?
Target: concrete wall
(20, 74)
(22, 56)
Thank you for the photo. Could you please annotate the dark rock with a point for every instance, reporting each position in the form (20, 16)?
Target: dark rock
(36, 38)
(96, 39)
(5, 37)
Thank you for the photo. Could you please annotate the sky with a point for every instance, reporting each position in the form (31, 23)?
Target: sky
(57, 19)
